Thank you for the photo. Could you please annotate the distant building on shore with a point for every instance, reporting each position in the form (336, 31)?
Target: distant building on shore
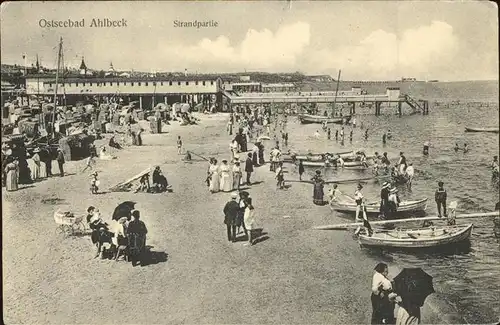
(149, 91)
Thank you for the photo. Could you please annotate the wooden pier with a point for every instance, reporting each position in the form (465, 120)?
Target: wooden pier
(393, 95)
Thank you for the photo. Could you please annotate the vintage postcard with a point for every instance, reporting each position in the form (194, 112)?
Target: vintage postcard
(250, 162)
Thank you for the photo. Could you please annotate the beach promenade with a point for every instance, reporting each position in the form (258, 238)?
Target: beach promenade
(296, 275)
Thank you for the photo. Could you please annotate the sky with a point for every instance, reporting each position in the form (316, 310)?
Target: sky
(367, 40)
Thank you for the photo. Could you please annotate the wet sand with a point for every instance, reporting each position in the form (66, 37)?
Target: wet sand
(296, 275)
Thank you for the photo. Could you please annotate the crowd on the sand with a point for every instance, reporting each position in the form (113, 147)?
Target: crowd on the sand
(126, 233)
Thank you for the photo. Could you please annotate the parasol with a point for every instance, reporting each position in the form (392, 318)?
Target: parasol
(123, 209)
(413, 285)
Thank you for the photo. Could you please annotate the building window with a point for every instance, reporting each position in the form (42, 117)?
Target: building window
(98, 84)
(187, 83)
(196, 83)
(50, 85)
(146, 83)
(111, 83)
(161, 83)
(178, 83)
(131, 83)
(84, 84)
(170, 83)
(203, 83)
(117, 83)
(138, 84)
(76, 85)
(211, 83)
(90, 84)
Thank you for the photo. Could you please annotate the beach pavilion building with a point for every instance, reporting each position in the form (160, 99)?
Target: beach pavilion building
(147, 90)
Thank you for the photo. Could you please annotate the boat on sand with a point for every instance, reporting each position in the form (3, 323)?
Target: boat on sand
(417, 238)
(493, 130)
(374, 208)
(309, 119)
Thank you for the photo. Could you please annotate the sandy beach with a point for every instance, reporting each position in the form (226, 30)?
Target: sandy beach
(294, 275)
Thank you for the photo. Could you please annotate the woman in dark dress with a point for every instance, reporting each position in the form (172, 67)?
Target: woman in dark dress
(318, 192)
(261, 153)
(159, 180)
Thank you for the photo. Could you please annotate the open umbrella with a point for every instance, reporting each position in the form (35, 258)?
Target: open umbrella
(123, 209)
(414, 285)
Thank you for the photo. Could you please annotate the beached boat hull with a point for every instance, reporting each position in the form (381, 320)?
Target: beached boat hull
(311, 119)
(319, 164)
(319, 157)
(404, 207)
(493, 130)
(418, 238)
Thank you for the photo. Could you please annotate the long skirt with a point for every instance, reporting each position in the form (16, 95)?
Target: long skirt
(35, 171)
(214, 183)
(318, 194)
(383, 310)
(236, 181)
(43, 170)
(11, 181)
(255, 159)
(225, 182)
(408, 317)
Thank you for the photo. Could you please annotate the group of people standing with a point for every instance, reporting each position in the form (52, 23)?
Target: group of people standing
(240, 212)
(39, 167)
(226, 177)
(384, 300)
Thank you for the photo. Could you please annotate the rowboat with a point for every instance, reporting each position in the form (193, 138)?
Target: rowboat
(321, 156)
(494, 130)
(418, 238)
(327, 164)
(374, 208)
(309, 119)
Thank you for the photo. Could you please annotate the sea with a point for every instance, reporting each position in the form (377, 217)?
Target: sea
(468, 276)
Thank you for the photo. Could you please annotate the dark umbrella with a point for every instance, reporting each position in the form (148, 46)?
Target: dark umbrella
(123, 209)
(413, 285)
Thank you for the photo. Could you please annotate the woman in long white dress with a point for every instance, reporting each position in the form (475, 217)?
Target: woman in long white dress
(234, 148)
(249, 219)
(226, 183)
(214, 177)
(35, 170)
(236, 175)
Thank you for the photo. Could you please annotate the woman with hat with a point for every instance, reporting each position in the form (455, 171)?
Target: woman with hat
(226, 183)
(392, 203)
(249, 219)
(214, 177)
(36, 164)
(318, 193)
(12, 172)
(237, 173)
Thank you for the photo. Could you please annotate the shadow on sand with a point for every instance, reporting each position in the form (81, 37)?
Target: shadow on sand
(258, 236)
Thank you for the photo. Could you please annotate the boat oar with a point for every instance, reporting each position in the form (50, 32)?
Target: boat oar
(352, 180)
(346, 226)
(204, 158)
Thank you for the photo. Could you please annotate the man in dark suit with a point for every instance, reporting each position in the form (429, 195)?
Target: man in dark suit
(230, 214)
(249, 168)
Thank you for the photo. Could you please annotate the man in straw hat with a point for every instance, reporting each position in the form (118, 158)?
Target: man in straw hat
(392, 203)
(230, 214)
